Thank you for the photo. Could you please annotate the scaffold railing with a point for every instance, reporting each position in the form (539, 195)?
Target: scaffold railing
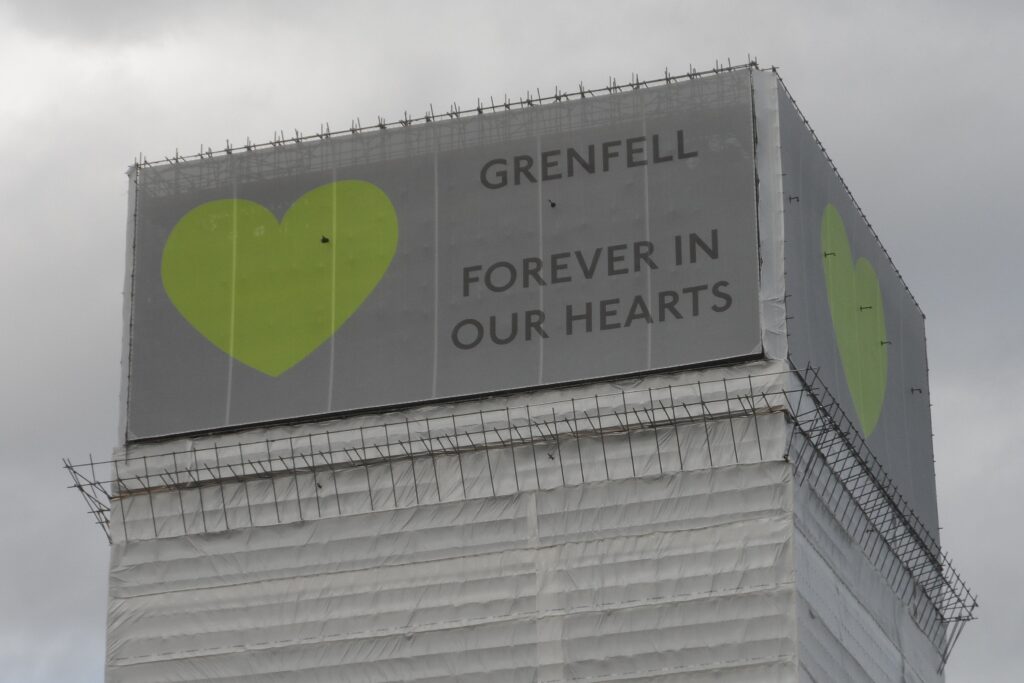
(567, 441)
(454, 111)
(832, 458)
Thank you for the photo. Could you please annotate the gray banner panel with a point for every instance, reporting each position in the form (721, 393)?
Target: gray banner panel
(571, 241)
(852, 317)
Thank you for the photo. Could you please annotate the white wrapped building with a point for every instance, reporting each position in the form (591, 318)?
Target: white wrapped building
(758, 517)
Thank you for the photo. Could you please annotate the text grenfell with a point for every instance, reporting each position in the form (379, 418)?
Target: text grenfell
(554, 164)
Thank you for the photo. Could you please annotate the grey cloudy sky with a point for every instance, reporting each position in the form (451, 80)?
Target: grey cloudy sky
(918, 103)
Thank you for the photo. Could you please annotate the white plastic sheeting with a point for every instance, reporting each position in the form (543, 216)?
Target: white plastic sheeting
(565, 437)
(770, 215)
(684, 576)
(648, 553)
(851, 627)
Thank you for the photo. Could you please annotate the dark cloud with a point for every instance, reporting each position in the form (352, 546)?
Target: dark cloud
(98, 21)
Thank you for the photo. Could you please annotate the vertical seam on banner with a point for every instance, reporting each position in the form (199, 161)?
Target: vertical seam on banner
(334, 284)
(433, 383)
(647, 227)
(540, 254)
(234, 275)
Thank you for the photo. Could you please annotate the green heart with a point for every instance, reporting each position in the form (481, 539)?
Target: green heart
(858, 318)
(269, 293)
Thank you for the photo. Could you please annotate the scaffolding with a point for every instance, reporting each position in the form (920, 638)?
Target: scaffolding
(532, 446)
(455, 111)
